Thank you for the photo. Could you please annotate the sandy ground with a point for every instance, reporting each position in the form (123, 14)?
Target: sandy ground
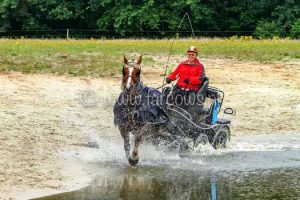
(44, 115)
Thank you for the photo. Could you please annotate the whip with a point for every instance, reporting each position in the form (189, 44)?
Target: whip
(185, 15)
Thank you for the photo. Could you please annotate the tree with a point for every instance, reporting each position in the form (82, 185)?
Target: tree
(295, 31)
(135, 17)
(13, 13)
(286, 14)
(265, 30)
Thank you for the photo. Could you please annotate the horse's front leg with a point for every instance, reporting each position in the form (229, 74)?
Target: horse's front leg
(134, 158)
(125, 134)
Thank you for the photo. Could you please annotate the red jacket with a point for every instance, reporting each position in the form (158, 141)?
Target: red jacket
(193, 72)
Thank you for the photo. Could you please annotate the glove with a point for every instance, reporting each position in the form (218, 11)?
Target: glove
(186, 81)
(168, 80)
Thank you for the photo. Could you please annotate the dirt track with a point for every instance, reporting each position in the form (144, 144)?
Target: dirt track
(42, 114)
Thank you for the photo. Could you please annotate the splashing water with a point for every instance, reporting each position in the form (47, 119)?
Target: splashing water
(266, 142)
(243, 153)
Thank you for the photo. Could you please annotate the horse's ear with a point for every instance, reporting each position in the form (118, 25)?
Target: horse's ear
(125, 60)
(123, 70)
(139, 61)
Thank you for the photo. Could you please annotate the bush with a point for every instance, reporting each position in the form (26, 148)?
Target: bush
(295, 31)
(246, 38)
(266, 30)
(234, 37)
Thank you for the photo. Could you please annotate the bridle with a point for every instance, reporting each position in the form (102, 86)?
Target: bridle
(131, 67)
(131, 93)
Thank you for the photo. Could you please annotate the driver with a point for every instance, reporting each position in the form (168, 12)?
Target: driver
(190, 74)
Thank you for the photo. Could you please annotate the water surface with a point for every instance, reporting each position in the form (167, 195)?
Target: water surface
(254, 167)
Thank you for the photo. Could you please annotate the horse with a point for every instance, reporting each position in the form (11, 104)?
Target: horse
(134, 110)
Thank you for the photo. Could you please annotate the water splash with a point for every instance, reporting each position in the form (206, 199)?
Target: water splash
(252, 153)
(266, 142)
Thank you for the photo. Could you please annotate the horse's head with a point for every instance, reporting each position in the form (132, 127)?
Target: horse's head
(131, 73)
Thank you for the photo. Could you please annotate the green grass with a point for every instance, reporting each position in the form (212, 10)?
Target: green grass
(103, 57)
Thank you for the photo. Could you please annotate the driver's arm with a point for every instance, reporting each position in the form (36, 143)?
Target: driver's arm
(195, 80)
(174, 75)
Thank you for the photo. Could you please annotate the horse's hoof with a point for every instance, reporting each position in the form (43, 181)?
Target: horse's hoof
(133, 161)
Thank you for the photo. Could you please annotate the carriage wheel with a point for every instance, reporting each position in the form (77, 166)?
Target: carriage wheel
(201, 139)
(221, 138)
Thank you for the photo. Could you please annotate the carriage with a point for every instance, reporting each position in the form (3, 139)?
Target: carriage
(149, 116)
(208, 127)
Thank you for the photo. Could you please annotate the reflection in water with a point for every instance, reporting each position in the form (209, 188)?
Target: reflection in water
(213, 188)
(256, 167)
(158, 183)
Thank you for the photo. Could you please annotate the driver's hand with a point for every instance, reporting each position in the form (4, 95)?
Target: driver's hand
(187, 81)
(168, 80)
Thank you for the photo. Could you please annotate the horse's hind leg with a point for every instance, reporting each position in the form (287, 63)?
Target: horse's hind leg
(125, 134)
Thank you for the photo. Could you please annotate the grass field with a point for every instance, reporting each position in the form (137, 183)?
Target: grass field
(103, 57)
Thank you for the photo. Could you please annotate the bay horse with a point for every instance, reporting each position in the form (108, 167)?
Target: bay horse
(126, 109)
(139, 110)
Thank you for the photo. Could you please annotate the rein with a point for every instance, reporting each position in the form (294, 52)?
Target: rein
(163, 86)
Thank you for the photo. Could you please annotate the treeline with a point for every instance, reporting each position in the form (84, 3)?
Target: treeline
(260, 18)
